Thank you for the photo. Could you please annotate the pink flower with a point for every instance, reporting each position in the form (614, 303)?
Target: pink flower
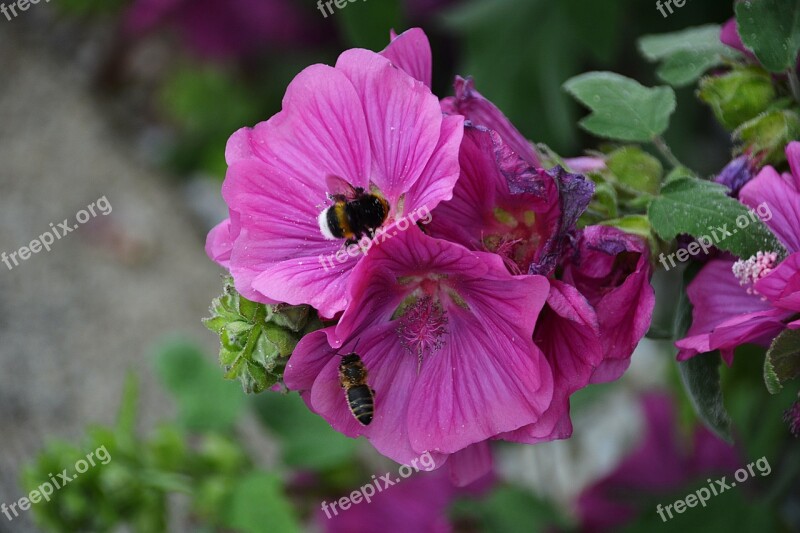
(446, 336)
(363, 121)
(752, 300)
(655, 469)
(419, 504)
(729, 36)
(599, 309)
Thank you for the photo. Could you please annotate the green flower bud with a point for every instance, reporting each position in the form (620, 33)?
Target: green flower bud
(737, 96)
(256, 339)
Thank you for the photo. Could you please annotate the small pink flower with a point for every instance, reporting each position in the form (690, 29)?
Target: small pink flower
(751, 300)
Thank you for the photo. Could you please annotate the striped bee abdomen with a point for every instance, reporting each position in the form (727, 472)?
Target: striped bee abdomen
(353, 379)
(361, 403)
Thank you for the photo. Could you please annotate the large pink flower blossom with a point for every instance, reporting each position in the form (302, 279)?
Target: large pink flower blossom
(364, 121)
(447, 337)
(752, 300)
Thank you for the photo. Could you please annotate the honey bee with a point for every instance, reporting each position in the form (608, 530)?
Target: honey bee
(354, 213)
(353, 379)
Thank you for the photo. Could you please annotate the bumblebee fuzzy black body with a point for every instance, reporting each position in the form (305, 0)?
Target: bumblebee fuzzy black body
(352, 217)
(353, 379)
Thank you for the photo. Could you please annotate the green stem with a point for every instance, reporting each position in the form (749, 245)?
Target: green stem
(258, 320)
(663, 147)
(794, 84)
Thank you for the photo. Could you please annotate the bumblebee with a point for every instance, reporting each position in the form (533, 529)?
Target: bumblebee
(353, 379)
(354, 213)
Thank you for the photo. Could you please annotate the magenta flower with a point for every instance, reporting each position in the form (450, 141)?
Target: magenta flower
(419, 504)
(752, 300)
(222, 30)
(446, 336)
(602, 306)
(363, 121)
(659, 466)
(729, 36)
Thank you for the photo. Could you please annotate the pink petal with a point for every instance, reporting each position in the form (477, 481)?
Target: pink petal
(439, 178)
(404, 120)
(782, 286)
(305, 281)
(470, 213)
(219, 243)
(411, 52)
(240, 146)
(793, 155)
(717, 298)
(308, 359)
(758, 328)
(612, 270)
(782, 198)
(730, 37)
(320, 131)
(470, 464)
(477, 386)
(482, 112)
(391, 376)
(568, 333)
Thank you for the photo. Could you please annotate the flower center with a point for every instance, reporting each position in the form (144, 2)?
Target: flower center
(514, 238)
(749, 271)
(422, 326)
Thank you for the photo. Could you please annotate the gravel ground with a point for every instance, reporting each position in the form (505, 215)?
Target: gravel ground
(75, 319)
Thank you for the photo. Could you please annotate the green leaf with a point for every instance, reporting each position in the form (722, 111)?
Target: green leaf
(700, 376)
(782, 363)
(307, 440)
(737, 96)
(771, 29)
(701, 209)
(622, 108)
(768, 134)
(204, 400)
(662, 46)
(686, 54)
(259, 504)
(635, 170)
(634, 224)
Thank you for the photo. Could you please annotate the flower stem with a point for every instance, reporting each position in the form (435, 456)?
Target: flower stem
(662, 147)
(794, 83)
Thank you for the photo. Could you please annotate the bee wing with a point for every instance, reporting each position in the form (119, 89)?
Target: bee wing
(339, 187)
